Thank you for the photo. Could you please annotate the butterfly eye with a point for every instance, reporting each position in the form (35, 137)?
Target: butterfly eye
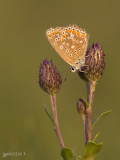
(69, 28)
(78, 49)
(73, 29)
(75, 51)
(73, 69)
(70, 55)
(55, 43)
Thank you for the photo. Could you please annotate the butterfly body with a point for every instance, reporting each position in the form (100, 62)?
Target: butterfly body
(70, 43)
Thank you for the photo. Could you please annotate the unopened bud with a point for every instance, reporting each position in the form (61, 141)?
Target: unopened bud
(94, 63)
(49, 77)
(81, 106)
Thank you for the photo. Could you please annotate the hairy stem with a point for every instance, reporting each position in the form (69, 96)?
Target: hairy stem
(57, 129)
(90, 96)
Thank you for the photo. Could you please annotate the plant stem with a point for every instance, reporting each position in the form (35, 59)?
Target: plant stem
(90, 96)
(57, 129)
(85, 128)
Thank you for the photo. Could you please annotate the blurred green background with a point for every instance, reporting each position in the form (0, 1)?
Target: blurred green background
(24, 126)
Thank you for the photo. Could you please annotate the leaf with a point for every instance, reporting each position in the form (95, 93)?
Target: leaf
(49, 115)
(86, 102)
(99, 117)
(92, 150)
(96, 136)
(67, 154)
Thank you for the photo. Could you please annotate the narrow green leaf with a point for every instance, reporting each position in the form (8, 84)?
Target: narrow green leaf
(92, 150)
(49, 115)
(99, 117)
(96, 136)
(67, 154)
(86, 102)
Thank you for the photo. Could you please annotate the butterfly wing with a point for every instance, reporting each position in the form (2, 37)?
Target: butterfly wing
(69, 42)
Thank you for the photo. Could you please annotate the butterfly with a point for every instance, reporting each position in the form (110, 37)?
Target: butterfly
(70, 43)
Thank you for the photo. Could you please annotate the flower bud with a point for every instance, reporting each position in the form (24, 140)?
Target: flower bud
(94, 63)
(49, 77)
(81, 106)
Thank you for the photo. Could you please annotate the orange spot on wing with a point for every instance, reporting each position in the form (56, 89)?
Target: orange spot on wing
(73, 31)
(64, 35)
(66, 31)
(49, 35)
(77, 33)
(62, 39)
(53, 32)
(69, 30)
(56, 32)
(60, 32)
(83, 35)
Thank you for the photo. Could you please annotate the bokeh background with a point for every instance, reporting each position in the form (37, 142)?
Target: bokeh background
(24, 126)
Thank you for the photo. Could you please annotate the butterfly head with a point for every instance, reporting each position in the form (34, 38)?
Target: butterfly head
(77, 66)
(73, 69)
